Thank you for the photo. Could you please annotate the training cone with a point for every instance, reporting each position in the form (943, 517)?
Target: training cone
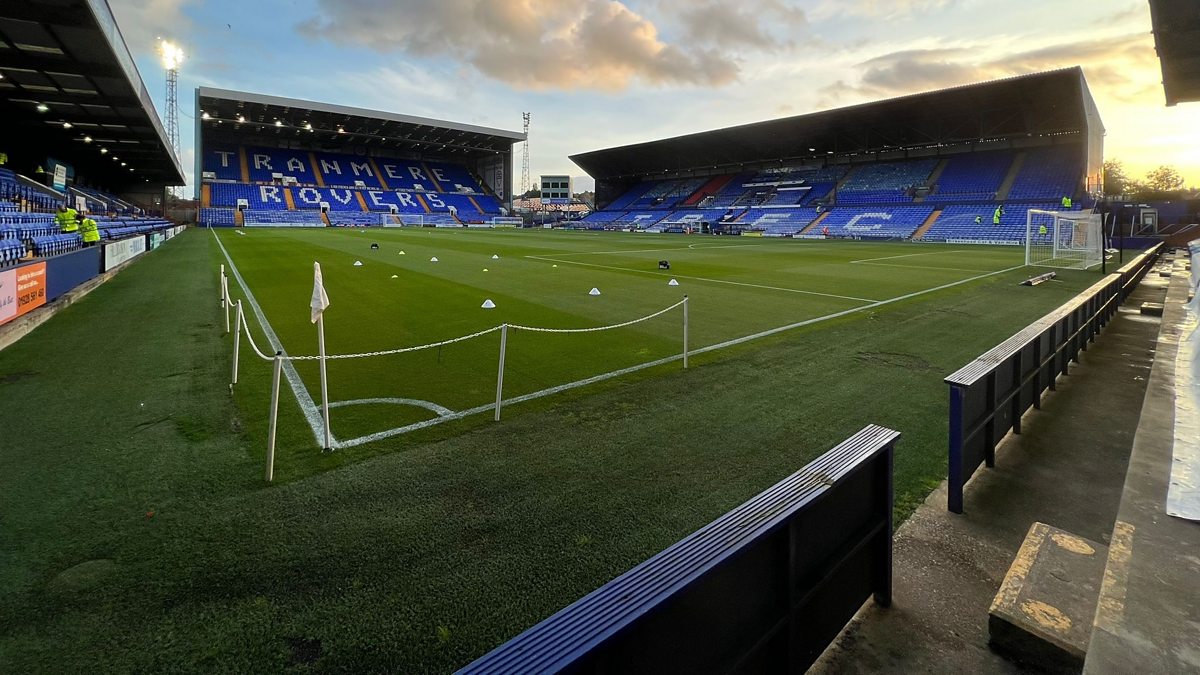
(672, 283)
(488, 304)
(358, 263)
(554, 265)
(485, 269)
(395, 276)
(495, 257)
(594, 291)
(433, 259)
(401, 252)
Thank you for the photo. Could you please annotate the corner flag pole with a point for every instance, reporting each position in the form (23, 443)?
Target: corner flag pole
(318, 304)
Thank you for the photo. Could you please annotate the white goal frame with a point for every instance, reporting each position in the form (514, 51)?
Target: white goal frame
(1073, 239)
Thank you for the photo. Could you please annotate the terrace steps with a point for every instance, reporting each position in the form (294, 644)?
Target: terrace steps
(325, 218)
(239, 218)
(205, 195)
(429, 174)
(1010, 177)
(816, 221)
(927, 224)
(933, 179)
(378, 174)
(710, 188)
(845, 179)
(243, 164)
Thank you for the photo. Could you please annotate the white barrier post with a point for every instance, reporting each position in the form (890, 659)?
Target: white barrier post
(274, 416)
(237, 344)
(685, 331)
(500, 371)
(324, 382)
(225, 303)
(222, 284)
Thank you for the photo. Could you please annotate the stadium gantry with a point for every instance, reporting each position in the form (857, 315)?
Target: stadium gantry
(932, 167)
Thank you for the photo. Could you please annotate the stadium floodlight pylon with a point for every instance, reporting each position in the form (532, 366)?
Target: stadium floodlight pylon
(1063, 239)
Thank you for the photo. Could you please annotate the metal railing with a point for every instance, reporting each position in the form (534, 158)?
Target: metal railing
(764, 588)
(989, 396)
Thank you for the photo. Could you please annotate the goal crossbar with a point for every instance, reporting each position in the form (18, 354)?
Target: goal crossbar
(1063, 239)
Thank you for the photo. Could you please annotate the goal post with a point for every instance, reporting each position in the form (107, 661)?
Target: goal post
(1063, 239)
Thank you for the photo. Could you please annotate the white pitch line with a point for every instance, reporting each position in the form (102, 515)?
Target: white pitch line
(713, 281)
(918, 267)
(906, 255)
(307, 405)
(631, 369)
(662, 250)
(416, 402)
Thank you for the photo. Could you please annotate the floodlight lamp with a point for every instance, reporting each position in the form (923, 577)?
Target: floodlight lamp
(42, 107)
(205, 116)
(241, 118)
(278, 123)
(103, 151)
(172, 55)
(87, 139)
(66, 125)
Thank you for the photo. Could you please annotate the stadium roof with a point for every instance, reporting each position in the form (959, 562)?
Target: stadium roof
(294, 119)
(64, 61)
(1041, 104)
(1177, 40)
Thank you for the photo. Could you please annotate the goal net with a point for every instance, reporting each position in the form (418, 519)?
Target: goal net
(1063, 239)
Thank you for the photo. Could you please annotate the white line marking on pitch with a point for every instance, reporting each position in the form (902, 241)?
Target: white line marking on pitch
(713, 281)
(662, 250)
(632, 369)
(906, 255)
(416, 402)
(918, 267)
(307, 405)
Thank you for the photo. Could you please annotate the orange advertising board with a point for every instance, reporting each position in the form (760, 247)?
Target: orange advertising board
(31, 287)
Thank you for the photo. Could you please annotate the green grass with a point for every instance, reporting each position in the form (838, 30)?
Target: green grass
(420, 552)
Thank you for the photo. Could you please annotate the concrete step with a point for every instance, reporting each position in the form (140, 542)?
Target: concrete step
(1042, 616)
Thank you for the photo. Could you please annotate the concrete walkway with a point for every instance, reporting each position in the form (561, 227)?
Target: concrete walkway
(1067, 470)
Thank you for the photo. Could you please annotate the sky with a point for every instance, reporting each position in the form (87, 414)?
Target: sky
(600, 73)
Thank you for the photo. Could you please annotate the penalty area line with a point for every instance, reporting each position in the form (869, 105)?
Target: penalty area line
(651, 364)
(705, 279)
(906, 255)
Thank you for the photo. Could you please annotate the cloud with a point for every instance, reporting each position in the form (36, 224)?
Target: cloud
(881, 9)
(739, 25)
(142, 22)
(1116, 67)
(530, 44)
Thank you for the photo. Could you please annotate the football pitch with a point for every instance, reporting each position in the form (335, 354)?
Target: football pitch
(143, 538)
(561, 338)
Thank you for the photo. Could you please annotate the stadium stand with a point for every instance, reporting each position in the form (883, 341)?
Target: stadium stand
(283, 218)
(957, 222)
(213, 217)
(876, 223)
(778, 221)
(1048, 173)
(16, 188)
(885, 182)
(223, 162)
(972, 177)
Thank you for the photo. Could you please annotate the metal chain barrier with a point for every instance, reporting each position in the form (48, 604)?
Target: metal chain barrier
(596, 329)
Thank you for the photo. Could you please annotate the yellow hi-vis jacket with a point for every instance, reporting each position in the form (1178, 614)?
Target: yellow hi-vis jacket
(996, 217)
(66, 220)
(1066, 202)
(90, 231)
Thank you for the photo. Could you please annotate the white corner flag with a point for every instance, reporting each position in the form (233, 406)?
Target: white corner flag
(319, 299)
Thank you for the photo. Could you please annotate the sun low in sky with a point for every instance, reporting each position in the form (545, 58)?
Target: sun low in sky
(598, 73)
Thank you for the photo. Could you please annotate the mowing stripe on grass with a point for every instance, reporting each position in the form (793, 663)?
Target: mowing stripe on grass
(713, 281)
(307, 405)
(651, 364)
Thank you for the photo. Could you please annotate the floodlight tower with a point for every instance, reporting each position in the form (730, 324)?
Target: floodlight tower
(172, 56)
(525, 158)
